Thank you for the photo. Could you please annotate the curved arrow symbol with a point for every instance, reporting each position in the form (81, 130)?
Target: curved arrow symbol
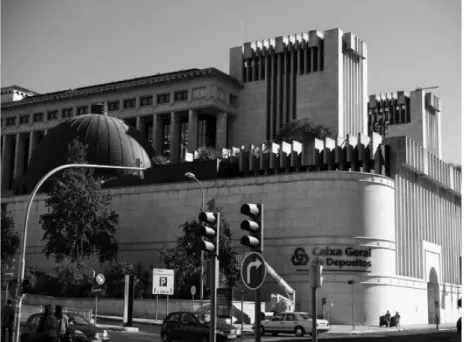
(257, 264)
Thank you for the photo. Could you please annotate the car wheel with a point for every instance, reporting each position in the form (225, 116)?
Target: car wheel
(262, 331)
(299, 331)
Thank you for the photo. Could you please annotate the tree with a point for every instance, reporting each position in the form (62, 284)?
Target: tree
(207, 153)
(184, 258)
(301, 130)
(80, 227)
(10, 240)
(115, 276)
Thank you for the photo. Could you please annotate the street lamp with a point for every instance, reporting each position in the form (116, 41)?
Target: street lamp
(192, 176)
(22, 266)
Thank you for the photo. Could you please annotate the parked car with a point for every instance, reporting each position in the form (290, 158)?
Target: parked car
(80, 328)
(299, 323)
(458, 325)
(194, 327)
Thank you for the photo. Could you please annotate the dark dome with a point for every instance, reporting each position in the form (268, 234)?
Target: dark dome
(110, 142)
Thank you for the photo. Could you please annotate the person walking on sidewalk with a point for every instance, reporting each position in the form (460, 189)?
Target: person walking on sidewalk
(7, 321)
(63, 325)
(48, 326)
(397, 320)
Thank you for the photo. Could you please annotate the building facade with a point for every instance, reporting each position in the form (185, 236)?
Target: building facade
(376, 205)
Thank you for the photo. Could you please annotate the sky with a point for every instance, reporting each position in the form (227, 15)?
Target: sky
(50, 45)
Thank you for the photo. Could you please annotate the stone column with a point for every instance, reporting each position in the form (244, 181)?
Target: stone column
(138, 123)
(157, 134)
(305, 58)
(221, 130)
(291, 107)
(192, 130)
(6, 161)
(174, 146)
(19, 155)
(31, 145)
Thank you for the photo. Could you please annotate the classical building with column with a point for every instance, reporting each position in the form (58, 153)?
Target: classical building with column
(376, 204)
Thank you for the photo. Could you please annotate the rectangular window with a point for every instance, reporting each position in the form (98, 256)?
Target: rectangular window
(198, 92)
(10, 121)
(181, 95)
(67, 113)
(146, 101)
(163, 98)
(112, 106)
(38, 117)
(52, 115)
(129, 103)
(82, 110)
(24, 119)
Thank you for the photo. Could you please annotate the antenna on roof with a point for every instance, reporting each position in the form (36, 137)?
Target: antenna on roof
(241, 32)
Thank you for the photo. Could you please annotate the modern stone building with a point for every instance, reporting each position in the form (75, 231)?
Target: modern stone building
(377, 204)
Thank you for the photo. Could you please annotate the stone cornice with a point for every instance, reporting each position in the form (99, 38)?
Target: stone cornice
(123, 85)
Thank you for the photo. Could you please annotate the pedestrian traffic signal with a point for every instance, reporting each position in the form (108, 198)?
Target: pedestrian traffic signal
(209, 230)
(254, 225)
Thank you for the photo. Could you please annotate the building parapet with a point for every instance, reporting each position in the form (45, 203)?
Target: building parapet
(426, 164)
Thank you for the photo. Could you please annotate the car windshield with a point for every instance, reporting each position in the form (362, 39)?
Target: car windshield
(79, 320)
(305, 315)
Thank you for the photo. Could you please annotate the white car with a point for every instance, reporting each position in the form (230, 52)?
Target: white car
(299, 323)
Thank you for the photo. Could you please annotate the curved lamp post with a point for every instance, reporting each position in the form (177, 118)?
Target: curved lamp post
(192, 176)
(18, 295)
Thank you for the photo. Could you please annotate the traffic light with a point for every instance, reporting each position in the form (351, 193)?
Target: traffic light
(324, 301)
(316, 278)
(210, 231)
(254, 225)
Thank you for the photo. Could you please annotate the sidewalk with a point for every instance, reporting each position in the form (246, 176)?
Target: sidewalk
(335, 329)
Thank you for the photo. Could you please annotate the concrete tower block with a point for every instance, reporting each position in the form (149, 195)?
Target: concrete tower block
(280, 44)
(247, 51)
(313, 38)
(363, 50)
(372, 101)
(236, 62)
(400, 97)
(350, 40)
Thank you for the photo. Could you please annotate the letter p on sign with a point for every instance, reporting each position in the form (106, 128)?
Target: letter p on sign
(163, 281)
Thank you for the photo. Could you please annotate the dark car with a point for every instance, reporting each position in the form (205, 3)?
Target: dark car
(187, 326)
(81, 329)
(458, 325)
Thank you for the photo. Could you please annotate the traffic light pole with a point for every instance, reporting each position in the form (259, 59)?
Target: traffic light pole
(258, 315)
(212, 327)
(314, 315)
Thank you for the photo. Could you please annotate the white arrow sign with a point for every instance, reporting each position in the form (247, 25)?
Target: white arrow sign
(256, 264)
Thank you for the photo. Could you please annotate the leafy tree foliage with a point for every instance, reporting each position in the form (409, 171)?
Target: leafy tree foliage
(10, 240)
(80, 227)
(185, 257)
(206, 153)
(115, 280)
(301, 130)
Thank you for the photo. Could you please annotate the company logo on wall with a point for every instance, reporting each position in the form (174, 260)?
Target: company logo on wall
(335, 259)
(300, 258)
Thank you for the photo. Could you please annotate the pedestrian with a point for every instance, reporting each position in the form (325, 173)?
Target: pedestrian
(388, 318)
(48, 326)
(397, 319)
(63, 325)
(7, 321)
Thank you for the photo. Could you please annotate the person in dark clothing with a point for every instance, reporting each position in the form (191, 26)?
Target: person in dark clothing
(388, 318)
(63, 324)
(7, 321)
(48, 326)
(397, 320)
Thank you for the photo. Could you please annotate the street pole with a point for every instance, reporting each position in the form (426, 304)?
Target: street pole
(212, 327)
(96, 307)
(353, 306)
(330, 316)
(241, 310)
(18, 296)
(314, 320)
(258, 315)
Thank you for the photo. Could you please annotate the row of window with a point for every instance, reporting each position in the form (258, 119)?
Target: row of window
(112, 106)
(148, 100)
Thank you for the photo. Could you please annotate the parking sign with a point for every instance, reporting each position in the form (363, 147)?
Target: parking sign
(163, 281)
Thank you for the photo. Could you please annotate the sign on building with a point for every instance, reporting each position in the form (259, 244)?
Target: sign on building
(163, 281)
